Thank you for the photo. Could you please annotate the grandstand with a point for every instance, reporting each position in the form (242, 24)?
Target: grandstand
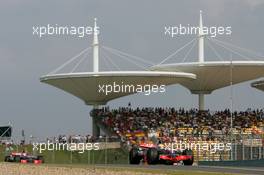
(167, 125)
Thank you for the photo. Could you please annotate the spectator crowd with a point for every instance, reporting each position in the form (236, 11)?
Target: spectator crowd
(166, 123)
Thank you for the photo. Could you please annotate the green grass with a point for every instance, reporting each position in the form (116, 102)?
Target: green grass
(109, 156)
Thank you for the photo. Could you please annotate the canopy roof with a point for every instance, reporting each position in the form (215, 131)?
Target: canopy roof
(214, 75)
(85, 85)
(258, 84)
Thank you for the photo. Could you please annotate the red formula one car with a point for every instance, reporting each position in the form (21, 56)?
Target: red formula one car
(154, 155)
(24, 158)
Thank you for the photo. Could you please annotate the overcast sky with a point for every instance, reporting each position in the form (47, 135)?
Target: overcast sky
(136, 27)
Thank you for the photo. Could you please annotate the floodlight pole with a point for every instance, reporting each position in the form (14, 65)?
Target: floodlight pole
(96, 129)
(201, 57)
(231, 93)
(231, 108)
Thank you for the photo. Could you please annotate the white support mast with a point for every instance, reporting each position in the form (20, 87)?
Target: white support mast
(201, 56)
(95, 48)
(201, 39)
(95, 127)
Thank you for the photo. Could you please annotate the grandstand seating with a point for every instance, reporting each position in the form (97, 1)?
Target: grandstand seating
(163, 125)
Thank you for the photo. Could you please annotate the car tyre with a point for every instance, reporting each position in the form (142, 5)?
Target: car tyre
(134, 158)
(188, 152)
(152, 156)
